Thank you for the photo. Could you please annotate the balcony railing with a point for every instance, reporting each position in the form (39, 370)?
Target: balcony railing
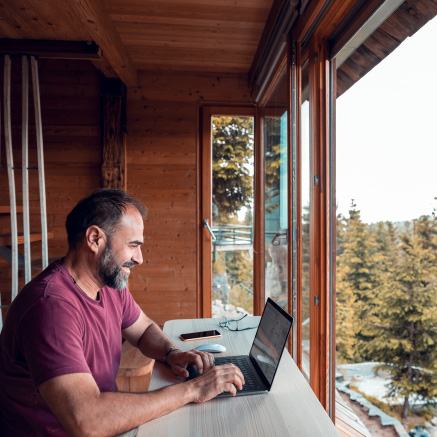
(233, 235)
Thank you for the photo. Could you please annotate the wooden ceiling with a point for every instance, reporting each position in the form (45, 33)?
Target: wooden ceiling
(212, 36)
(207, 36)
(195, 35)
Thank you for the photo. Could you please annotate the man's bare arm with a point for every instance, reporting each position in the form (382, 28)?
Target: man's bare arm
(83, 410)
(152, 342)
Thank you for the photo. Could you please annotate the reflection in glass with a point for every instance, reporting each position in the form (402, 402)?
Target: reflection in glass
(232, 215)
(305, 221)
(275, 136)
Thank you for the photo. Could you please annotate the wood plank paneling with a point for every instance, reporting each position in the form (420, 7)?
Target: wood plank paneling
(183, 35)
(70, 107)
(162, 169)
(405, 21)
(162, 157)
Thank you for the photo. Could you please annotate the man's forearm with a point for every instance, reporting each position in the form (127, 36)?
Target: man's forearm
(83, 410)
(130, 410)
(154, 343)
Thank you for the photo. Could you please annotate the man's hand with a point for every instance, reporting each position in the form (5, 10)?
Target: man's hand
(179, 360)
(215, 381)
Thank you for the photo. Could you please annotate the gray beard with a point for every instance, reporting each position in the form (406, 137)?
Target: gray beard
(110, 272)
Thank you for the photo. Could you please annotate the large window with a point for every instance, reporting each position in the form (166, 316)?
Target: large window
(386, 229)
(296, 248)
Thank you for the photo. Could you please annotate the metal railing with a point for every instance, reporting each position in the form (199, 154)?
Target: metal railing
(233, 235)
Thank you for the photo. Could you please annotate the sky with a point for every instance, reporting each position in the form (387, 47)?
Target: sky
(387, 135)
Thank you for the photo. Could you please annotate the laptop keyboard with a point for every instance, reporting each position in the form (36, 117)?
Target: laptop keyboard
(250, 382)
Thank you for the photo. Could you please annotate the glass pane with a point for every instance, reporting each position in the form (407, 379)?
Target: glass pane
(305, 220)
(386, 307)
(276, 193)
(232, 215)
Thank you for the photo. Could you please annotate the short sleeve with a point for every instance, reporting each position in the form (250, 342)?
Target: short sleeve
(131, 310)
(51, 340)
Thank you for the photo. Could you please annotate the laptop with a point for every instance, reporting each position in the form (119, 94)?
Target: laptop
(260, 366)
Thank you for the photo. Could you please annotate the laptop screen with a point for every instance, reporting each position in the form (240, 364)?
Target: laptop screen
(270, 339)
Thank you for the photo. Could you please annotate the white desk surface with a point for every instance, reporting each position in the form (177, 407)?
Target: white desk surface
(289, 409)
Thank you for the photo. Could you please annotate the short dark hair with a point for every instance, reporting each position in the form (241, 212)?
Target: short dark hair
(103, 208)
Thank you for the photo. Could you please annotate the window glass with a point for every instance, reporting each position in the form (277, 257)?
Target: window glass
(386, 309)
(275, 137)
(305, 219)
(232, 215)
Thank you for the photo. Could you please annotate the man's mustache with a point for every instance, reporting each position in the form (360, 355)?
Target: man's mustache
(129, 264)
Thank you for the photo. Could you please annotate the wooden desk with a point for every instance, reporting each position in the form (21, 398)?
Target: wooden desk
(289, 409)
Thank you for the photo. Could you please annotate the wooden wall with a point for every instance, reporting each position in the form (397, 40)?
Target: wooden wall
(70, 105)
(162, 157)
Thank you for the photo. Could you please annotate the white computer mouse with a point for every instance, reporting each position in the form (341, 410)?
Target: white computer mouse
(214, 348)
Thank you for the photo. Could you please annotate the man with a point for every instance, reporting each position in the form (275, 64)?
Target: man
(61, 341)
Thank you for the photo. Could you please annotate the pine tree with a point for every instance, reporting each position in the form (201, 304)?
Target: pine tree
(385, 254)
(345, 315)
(355, 287)
(406, 320)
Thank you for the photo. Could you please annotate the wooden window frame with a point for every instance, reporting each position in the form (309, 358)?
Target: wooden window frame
(283, 62)
(307, 38)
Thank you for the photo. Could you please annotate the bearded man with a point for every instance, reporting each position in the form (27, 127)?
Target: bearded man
(60, 346)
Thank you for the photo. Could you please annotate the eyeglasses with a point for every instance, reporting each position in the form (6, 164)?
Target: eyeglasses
(232, 324)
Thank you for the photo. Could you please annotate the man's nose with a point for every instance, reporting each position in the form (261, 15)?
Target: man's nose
(138, 256)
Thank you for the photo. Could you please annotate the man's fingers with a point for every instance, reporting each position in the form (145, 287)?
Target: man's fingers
(198, 362)
(217, 380)
(208, 360)
(203, 361)
(231, 389)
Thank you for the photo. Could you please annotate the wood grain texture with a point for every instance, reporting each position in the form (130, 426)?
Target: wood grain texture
(162, 159)
(405, 21)
(113, 135)
(290, 408)
(70, 108)
(135, 370)
(188, 35)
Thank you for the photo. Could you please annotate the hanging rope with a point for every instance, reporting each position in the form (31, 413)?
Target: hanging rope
(25, 165)
(11, 176)
(41, 176)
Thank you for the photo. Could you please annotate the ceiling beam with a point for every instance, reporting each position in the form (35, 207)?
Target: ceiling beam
(87, 50)
(95, 18)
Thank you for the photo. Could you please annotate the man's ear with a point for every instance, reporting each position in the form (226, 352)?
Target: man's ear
(95, 238)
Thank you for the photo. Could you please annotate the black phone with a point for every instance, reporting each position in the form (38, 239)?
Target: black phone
(200, 335)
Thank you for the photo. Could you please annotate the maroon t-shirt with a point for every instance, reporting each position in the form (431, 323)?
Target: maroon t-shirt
(52, 329)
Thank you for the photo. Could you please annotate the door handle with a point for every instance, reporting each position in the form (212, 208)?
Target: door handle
(279, 236)
(206, 225)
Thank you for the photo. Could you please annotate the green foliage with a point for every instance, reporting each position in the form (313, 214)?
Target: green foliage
(233, 147)
(232, 160)
(406, 322)
(387, 302)
(272, 134)
(355, 287)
